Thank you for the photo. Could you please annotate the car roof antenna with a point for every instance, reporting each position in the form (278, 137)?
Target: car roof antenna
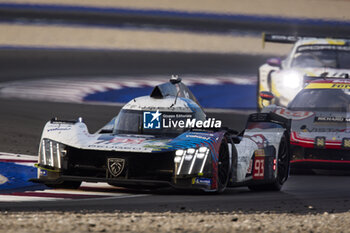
(175, 79)
(177, 95)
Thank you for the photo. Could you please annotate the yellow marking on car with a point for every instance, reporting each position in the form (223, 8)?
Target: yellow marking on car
(328, 86)
(310, 42)
(310, 74)
(335, 42)
(261, 102)
(193, 180)
(260, 153)
(46, 169)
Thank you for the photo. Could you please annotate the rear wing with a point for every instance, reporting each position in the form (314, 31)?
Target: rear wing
(291, 39)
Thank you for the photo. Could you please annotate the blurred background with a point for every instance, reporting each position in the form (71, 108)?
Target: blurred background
(86, 58)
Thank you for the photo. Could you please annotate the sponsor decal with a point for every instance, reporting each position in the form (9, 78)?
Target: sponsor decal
(322, 47)
(332, 119)
(324, 130)
(199, 136)
(115, 166)
(259, 164)
(140, 144)
(205, 181)
(157, 120)
(340, 86)
(127, 140)
(294, 115)
(340, 81)
(259, 153)
(328, 86)
(59, 129)
(120, 147)
(259, 167)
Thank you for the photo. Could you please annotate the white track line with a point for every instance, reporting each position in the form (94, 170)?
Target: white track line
(75, 89)
(9, 198)
(89, 191)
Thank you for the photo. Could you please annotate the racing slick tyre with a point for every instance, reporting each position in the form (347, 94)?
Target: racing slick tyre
(66, 185)
(223, 167)
(283, 162)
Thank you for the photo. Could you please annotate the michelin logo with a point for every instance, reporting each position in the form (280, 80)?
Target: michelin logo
(152, 120)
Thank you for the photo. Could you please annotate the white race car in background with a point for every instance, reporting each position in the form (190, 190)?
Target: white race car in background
(310, 57)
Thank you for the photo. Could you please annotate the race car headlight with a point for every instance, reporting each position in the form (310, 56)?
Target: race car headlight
(190, 151)
(202, 149)
(202, 152)
(178, 156)
(292, 80)
(179, 152)
(177, 159)
(191, 161)
(51, 153)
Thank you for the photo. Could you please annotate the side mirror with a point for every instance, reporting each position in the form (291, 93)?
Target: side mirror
(266, 95)
(275, 62)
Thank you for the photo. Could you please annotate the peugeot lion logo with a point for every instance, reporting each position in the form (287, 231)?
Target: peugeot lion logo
(115, 166)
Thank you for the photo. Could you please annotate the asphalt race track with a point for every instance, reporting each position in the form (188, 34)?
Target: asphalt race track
(301, 194)
(21, 123)
(37, 63)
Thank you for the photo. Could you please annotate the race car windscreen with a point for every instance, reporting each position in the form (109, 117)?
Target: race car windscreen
(148, 122)
(335, 100)
(329, 56)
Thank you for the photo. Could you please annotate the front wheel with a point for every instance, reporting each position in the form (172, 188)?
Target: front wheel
(223, 167)
(283, 161)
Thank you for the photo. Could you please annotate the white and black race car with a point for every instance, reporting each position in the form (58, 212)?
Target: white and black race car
(309, 58)
(165, 139)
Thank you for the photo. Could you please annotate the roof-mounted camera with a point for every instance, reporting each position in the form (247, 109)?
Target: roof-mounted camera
(175, 79)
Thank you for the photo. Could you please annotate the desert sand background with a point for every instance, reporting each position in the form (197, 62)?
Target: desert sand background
(321, 9)
(155, 40)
